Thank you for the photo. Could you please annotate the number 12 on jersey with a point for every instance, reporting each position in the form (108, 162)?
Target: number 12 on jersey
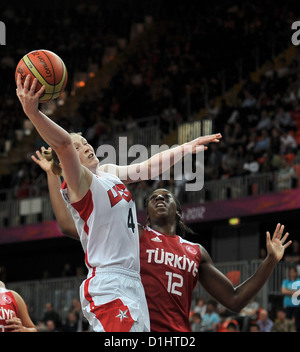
(174, 281)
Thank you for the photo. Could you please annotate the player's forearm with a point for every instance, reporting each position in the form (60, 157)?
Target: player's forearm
(50, 131)
(163, 161)
(148, 169)
(24, 329)
(254, 284)
(61, 212)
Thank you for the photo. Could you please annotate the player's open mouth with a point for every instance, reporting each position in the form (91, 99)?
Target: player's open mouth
(91, 156)
(160, 204)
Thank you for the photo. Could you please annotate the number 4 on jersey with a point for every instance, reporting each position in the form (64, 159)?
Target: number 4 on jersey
(130, 221)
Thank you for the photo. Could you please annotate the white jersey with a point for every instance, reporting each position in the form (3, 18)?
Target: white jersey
(112, 296)
(105, 219)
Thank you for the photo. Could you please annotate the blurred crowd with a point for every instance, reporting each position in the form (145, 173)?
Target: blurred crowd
(174, 74)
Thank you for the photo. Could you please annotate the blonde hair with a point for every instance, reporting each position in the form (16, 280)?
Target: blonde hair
(52, 157)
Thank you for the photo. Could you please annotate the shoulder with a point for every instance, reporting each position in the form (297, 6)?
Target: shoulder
(145, 230)
(17, 297)
(205, 257)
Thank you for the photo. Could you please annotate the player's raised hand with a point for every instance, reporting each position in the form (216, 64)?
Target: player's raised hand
(40, 160)
(27, 95)
(198, 144)
(277, 245)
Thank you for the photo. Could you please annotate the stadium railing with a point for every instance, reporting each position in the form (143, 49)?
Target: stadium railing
(61, 291)
(37, 208)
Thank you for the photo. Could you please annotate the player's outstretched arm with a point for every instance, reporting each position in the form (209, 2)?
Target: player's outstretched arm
(77, 177)
(219, 286)
(160, 162)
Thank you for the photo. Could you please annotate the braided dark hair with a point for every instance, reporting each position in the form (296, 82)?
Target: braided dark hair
(182, 229)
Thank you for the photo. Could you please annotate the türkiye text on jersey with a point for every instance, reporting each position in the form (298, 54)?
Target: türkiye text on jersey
(160, 256)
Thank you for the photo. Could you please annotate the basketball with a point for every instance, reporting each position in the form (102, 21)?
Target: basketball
(48, 68)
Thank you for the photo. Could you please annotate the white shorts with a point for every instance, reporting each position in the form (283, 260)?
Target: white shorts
(113, 300)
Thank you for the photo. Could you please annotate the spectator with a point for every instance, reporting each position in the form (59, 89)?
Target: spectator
(211, 318)
(71, 324)
(196, 323)
(254, 327)
(200, 307)
(229, 162)
(249, 100)
(50, 326)
(285, 176)
(213, 163)
(263, 142)
(282, 324)
(265, 323)
(293, 254)
(251, 141)
(288, 143)
(248, 314)
(265, 121)
(288, 288)
(52, 315)
(251, 165)
(283, 119)
(83, 324)
(41, 326)
(232, 327)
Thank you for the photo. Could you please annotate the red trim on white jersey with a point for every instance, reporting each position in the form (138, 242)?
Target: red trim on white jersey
(85, 208)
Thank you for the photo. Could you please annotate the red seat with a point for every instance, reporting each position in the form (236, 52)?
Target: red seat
(234, 277)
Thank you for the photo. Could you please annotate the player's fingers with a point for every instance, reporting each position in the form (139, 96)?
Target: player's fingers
(284, 238)
(34, 159)
(287, 244)
(27, 82)
(210, 138)
(40, 92)
(280, 232)
(277, 229)
(33, 86)
(19, 81)
(40, 156)
(268, 237)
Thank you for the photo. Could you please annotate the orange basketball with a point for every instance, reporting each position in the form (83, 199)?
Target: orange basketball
(48, 68)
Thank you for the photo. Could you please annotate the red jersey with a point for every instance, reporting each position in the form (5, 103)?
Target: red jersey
(169, 271)
(8, 307)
